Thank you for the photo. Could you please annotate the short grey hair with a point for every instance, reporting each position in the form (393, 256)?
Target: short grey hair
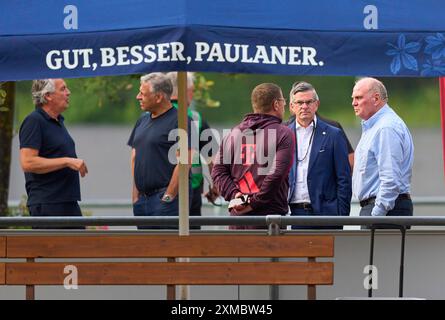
(302, 86)
(173, 76)
(160, 83)
(376, 86)
(40, 88)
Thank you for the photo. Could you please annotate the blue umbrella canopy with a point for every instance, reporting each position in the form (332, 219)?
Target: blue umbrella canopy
(49, 39)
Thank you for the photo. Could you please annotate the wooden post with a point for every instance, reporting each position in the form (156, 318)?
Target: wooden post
(183, 157)
(311, 289)
(183, 168)
(171, 288)
(30, 289)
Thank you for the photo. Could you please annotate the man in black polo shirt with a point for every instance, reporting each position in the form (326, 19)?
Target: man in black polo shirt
(154, 165)
(47, 153)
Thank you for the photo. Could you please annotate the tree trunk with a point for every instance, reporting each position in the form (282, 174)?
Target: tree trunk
(6, 127)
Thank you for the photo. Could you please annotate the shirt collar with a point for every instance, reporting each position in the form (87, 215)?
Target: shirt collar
(60, 118)
(367, 124)
(297, 125)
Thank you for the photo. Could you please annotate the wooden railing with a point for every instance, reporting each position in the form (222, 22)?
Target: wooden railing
(115, 270)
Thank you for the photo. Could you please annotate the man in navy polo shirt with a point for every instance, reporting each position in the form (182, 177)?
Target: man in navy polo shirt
(47, 153)
(155, 183)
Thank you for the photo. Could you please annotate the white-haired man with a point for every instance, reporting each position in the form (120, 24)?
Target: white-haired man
(48, 155)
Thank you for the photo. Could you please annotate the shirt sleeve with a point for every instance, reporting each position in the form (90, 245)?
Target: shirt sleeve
(389, 154)
(221, 173)
(30, 134)
(133, 132)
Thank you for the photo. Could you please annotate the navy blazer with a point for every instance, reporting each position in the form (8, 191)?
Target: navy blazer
(329, 173)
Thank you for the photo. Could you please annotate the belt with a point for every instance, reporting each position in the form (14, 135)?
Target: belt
(402, 196)
(301, 205)
(151, 192)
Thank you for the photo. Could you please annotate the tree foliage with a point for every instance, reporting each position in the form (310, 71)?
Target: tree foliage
(112, 100)
(6, 127)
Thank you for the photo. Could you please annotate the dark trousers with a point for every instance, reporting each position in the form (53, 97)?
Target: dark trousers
(308, 212)
(196, 204)
(402, 207)
(62, 209)
(151, 205)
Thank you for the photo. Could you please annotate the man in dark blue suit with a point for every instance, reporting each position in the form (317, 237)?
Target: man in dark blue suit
(320, 177)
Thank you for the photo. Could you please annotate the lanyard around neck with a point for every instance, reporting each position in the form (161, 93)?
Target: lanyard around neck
(308, 147)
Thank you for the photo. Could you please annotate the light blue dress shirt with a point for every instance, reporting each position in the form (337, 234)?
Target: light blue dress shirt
(383, 160)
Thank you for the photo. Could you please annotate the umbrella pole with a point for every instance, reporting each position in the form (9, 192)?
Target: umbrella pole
(183, 170)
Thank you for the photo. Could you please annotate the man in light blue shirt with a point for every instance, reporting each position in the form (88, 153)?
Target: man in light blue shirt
(384, 155)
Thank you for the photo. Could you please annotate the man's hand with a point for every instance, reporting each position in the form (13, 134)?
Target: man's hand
(212, 194)
(239, 195)
(241, 208)
(78, 165)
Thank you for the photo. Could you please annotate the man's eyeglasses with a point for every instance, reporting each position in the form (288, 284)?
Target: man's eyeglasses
(300, 103)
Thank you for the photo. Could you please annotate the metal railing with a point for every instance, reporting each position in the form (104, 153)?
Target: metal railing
(281, 221)
(126, 203)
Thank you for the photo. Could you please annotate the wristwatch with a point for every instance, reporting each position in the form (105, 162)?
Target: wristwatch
(167, 198)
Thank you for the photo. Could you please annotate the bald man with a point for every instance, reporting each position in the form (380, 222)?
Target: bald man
(384, 155)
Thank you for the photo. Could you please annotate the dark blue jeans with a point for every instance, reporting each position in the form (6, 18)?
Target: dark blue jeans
(147, 206)
(62, 209)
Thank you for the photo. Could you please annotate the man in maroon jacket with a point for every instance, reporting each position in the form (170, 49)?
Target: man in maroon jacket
(254, 160)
